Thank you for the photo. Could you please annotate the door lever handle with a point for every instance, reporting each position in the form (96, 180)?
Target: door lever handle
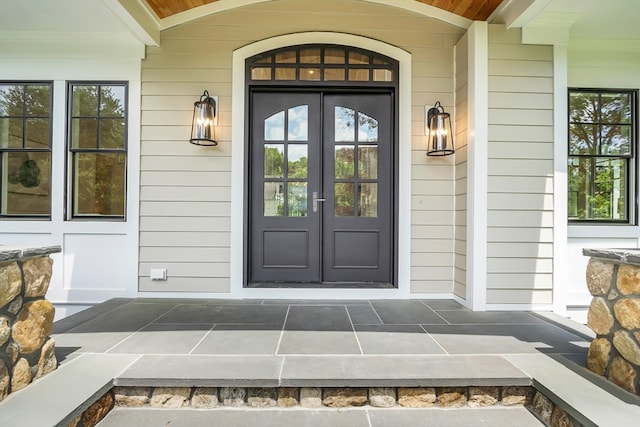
(316, 200)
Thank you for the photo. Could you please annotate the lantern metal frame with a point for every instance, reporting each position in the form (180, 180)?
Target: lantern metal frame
(438, 130)
(205, 120)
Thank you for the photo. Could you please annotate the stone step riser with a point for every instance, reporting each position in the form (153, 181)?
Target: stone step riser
(314, 398)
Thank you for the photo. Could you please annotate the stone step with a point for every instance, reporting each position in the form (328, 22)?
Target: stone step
(354, 417)
(79, 382)
(322, 371)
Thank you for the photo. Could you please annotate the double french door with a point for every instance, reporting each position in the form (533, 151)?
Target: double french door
(321, 189)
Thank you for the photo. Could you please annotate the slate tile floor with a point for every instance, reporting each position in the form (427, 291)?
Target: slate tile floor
(281, 327)
(269, 343)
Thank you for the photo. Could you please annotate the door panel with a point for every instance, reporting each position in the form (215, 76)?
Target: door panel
(357, 178)
(321, 199)
(285, 164)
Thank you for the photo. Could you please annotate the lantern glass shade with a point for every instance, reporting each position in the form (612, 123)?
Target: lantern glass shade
(440, 136)
(204, 121)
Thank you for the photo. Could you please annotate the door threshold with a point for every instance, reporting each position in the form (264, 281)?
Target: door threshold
(326, 285)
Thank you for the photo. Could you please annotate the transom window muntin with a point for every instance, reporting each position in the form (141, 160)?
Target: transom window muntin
(602, 144)
(97, 146)
(25, 149)
(321, 64)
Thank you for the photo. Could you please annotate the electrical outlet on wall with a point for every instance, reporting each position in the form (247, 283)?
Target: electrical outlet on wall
(158, 274)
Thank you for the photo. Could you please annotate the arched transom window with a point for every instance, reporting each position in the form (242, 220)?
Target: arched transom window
(325, 64)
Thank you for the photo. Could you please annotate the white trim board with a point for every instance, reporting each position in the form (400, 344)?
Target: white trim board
(238, 173)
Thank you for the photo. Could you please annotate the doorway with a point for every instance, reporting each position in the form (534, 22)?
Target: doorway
(321, 189)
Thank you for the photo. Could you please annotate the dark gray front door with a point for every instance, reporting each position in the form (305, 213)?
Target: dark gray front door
(321, 199)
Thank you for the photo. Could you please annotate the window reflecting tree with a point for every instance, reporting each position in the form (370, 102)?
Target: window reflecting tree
(97, 140)
(601, 137)
(25, 149)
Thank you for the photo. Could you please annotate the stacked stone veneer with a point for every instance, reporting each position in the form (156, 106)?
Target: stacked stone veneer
(326, 397)
(613, 278)
(26, 317)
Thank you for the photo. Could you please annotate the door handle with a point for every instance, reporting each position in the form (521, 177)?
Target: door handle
(316, 200)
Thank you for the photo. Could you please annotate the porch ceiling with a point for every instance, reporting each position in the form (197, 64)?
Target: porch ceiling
(477, 10)
(611, 24)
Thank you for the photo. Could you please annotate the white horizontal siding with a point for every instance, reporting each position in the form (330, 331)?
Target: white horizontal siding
(184, 223)
(520, 182)
(515, 150)
(188, 269)
(162, 255)
(184, 238)
(539, 101)
(520, 234)
(521, 281)
(185, 178)
(184, 193)
(530, 296)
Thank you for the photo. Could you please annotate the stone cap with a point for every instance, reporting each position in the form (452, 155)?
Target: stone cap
(14, 253)
(624, 255)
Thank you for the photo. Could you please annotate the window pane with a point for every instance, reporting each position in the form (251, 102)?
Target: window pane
(288, 57)
(368, 200)
(334, 74)
(382, 75)
(112, 133)
(85, 101)
(297, 161)
(285, 73)
(380, 61)
(615, 140)
(38, 100)
(597, 189)
(583, 107)
(274, 160)
(84, 133)
(298, 126)
(344, 161)
(112, 101)
(310, 74)
(310, 56)
(273, 198)
(11, 100)
(367, 128)
(264, 60)
(274, 127)
(11, 135)
(27, 178)
(359, 75)
(582, 138)
(260, 73)
(616, 108)
(344, 194)
(297, 199)
(334, 56)
(99, 184)
(368, 162)
(345, 124)
(358, 58)
(38, 134)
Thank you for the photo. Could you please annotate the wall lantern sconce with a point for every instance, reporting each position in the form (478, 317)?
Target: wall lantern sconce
(438, 129)
(205, 118)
